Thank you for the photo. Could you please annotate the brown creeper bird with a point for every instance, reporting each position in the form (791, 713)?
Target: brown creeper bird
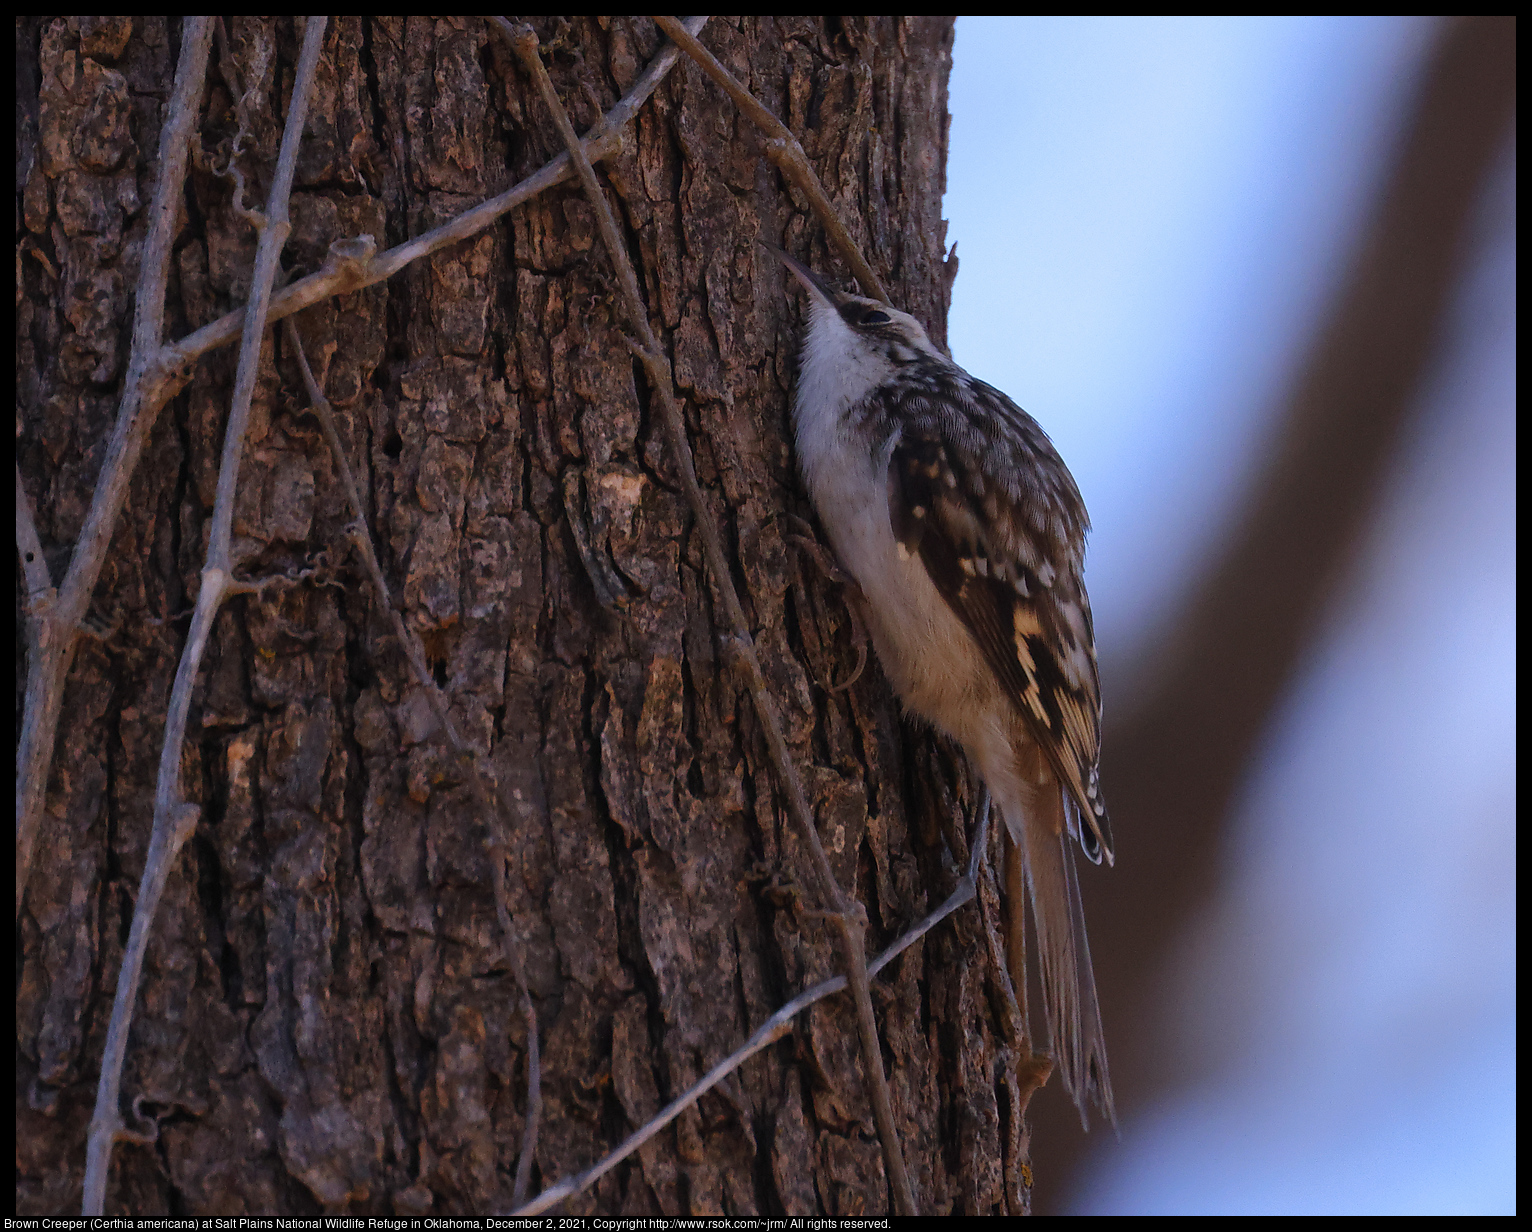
(955, 515)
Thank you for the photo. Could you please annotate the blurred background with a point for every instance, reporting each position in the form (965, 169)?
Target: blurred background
(1255, 276)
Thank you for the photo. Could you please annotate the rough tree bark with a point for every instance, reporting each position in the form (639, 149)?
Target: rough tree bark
(326, 1020)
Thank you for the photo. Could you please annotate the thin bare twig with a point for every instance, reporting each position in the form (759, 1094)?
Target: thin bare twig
(174, 817)
(785, 152)
(851, 922)
(603, 141)
(40, 592)
(1031, 1069)
(989, 905)
(773, 1029)
(156, 373)
(496, 824)
(53, 635)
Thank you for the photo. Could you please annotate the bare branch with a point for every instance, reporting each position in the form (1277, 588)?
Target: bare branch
(174, 818)
(785, 152)
(773, 1029)
(52, 650)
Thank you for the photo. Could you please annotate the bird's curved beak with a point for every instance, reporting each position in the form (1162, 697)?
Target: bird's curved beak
(803, 274)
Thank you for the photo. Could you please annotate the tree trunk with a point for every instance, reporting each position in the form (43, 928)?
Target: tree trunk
(326, 1019)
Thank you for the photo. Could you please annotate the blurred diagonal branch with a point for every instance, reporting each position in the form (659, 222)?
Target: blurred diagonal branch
(1174, 765)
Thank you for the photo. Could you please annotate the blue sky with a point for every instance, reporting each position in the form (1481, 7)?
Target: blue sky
(1150, 213)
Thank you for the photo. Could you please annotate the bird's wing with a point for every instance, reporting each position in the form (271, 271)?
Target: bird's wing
(1000, 527)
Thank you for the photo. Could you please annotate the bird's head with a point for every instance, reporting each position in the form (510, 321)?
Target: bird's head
(855, 328)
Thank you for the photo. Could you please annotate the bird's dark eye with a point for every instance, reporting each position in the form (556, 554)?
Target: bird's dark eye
(876, 316)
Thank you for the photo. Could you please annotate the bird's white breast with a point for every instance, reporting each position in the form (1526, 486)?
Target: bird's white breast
(928, 654)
